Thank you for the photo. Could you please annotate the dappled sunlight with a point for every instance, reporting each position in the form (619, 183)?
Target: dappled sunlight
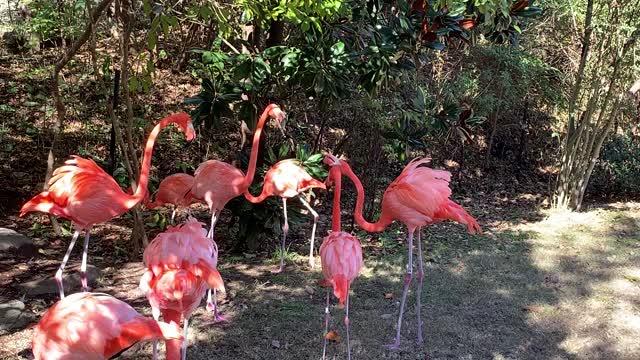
(593, 264)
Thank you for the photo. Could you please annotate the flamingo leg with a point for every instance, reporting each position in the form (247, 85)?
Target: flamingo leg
(407, 281)
(213, 305)
(58, 276)
(156, 316)
(313, 230)
(83, 267)
(419, 277)
(285, 230)
(346, 324)
(173, 215)
(327, 316)
(185, 338)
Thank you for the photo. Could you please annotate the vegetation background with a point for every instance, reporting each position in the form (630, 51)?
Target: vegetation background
(532, 105)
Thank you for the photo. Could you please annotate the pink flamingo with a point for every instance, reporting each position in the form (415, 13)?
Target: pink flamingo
(341, 258)
(419, 196)
(175, 190)
(217, 182)
(288, 179)
(95, 326)
(181, 264)
(83, 193)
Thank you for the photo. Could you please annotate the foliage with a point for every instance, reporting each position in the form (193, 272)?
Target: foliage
(618, 167)
(53, 20)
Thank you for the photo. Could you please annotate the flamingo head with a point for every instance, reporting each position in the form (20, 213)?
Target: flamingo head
(184, 122)
(279, 115)
(331, 160)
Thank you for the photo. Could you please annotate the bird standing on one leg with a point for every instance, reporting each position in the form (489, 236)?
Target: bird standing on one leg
(341, 257)
(419, 196)
(95, 326)
(288, 179)
(180, 268)
(85, 194)
(217, 182)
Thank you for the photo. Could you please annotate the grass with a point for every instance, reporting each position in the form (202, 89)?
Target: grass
(562, 287)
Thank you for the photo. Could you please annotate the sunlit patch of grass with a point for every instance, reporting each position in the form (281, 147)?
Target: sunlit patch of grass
(289, 257)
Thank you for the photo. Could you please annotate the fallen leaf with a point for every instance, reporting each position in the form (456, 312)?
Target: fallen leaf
(632, 278)
(275, 344)
(388, 296)
(533, 308)
(309, 290)
(332, 336)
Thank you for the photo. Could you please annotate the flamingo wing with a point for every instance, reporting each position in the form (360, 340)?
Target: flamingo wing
(217, 182)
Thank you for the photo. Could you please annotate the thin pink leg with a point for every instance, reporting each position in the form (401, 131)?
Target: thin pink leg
(327, 316)
(185, 338)
(419, 276)
(407, 281)
(58, 276)
(173, 215)
(83, 267)
(313, 230)
(285, 230)
(211, 305)
(346, 324)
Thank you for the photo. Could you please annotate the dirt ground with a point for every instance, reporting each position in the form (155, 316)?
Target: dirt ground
(535, 286)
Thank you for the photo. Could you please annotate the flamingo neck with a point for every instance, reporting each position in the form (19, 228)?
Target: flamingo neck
(253, 160)
(256, 199)
(384, 220)
(141, 190)
(335, 219)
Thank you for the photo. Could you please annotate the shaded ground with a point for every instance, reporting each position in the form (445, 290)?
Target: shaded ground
(563, 287)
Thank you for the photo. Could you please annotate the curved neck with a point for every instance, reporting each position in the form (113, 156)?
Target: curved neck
(141, 190)
(251, 171)
(337, 178)
(253, 199)
(384, 220)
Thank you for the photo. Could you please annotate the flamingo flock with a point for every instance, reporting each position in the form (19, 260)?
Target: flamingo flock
(180, 264)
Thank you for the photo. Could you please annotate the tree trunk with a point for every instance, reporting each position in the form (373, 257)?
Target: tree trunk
(138, 235)
(59, 105)
(583, 146)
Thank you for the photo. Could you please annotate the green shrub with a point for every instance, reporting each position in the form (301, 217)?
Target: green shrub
(618, 169)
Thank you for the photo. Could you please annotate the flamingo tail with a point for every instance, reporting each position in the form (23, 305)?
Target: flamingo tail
(455, 212)
(42, 202)
(340, 288)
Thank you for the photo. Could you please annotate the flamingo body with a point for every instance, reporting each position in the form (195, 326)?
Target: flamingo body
(94, 326)
(287, 179)
(175, 189)
(83, 193)
(181, 265)
(217, 182)
(341, 258)
(418, 197)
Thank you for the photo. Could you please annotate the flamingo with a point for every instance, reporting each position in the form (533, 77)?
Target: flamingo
(85, 194)
(175, 190)
(217, 182)
(288, 179)
(95, 326)
(341, 258)
(180, 266)
(418, 197)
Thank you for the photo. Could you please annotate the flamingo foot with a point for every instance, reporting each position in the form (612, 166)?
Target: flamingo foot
(278, 270)
(219, 318)
(394, 346)
(210, 306)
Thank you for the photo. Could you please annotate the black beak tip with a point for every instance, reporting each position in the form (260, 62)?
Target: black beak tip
(187, 144)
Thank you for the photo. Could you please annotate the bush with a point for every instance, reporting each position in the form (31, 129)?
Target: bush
(618, 170)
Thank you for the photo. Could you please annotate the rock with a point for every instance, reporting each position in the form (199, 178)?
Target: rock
(16, 243)
(386, 316)
(71, 281)
(275, 344)
(14, 316)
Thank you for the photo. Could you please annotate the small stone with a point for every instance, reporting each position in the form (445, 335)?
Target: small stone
(14, 316)
(275, 344)
(386, 316)
(16, 243)
(48, 285)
